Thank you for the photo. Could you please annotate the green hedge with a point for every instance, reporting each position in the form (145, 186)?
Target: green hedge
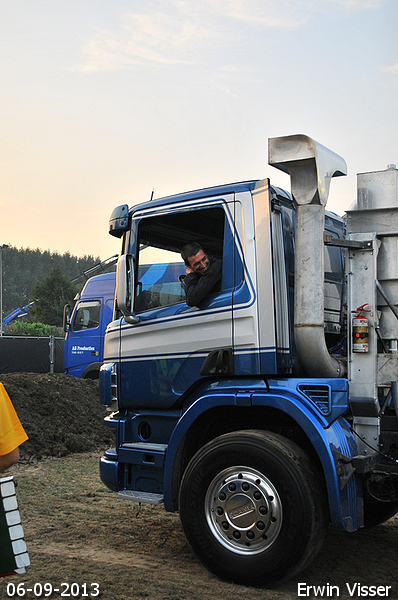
(33, 330)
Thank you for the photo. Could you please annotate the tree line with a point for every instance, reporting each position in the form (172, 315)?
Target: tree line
(44, 278)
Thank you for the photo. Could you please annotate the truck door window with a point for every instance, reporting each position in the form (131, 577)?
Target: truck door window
(159, 260)
(87, 316)
(158, 274)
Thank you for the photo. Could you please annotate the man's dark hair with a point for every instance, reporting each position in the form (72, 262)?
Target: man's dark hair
(190, 250)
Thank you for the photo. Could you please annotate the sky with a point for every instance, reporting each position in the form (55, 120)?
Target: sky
(103, 101)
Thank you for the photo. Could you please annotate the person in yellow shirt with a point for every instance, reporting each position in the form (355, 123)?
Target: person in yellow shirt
(12, 434)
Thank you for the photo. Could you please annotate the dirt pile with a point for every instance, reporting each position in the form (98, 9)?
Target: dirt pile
(60, 414)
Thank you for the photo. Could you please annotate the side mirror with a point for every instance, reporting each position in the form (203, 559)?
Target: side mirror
(119, 221)
(125, 287)
(66, 318)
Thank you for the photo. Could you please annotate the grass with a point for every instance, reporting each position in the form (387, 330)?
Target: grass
(78, 531)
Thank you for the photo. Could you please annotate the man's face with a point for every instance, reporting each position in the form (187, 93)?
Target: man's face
(199, 263)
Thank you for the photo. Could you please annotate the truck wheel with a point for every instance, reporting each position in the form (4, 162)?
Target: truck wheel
(253, 508)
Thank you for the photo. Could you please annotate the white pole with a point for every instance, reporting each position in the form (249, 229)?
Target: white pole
(1, 287)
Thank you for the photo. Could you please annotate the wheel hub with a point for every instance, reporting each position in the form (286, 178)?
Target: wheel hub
(243, 510)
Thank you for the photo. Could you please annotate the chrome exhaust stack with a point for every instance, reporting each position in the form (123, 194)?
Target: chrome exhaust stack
(311, 167)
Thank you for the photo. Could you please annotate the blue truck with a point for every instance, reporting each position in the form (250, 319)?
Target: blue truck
(270, 409)
(85, 326)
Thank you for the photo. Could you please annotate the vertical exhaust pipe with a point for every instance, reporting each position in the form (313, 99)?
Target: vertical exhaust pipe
(311, 167)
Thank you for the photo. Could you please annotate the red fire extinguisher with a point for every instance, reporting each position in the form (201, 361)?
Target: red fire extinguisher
(360, 330)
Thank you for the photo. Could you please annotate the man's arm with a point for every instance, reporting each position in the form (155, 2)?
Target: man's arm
(6, 460)
(198, 287)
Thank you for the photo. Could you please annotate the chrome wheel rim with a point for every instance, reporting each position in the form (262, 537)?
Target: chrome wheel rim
(243, 510)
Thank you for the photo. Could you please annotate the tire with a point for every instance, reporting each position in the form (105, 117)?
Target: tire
(253, 508)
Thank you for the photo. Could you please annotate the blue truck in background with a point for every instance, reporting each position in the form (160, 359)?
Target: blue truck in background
(270, 410)
(85, 326)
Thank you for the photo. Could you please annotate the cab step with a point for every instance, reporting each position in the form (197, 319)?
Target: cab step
(143, 453)
(143, 497)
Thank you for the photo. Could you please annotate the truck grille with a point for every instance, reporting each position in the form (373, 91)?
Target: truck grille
(318, 395)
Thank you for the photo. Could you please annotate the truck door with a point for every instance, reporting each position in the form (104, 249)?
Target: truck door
(162, 354)
(84, 339)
